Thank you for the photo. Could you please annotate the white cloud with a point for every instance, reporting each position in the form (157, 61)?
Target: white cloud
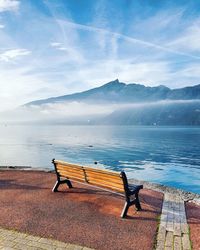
(58, 46)
(189, 39)
(2, 26)
(72, 52)
(9, 5)
(13, 53)
(17, 87)
(55, 44)
(62, 48)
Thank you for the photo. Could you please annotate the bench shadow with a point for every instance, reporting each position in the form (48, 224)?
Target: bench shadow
(140, 218)
(13, 184)
(145, 201)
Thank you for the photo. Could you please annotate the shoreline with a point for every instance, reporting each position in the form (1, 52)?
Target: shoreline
(187, 196)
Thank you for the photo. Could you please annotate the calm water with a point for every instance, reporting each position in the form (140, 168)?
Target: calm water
(167, 155)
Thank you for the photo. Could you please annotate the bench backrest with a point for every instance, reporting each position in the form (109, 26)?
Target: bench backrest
(101, 178)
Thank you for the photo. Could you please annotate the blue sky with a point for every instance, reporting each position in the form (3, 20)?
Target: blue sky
(55, 47)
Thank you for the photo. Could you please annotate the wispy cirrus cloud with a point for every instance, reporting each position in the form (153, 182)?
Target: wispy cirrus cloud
(12, 54)
(9, 5)
(58, 46)
(128, 39)
(189, 39)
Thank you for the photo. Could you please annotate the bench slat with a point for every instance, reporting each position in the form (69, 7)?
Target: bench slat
(105, 175)
(105, 178)
(75, 179)
(70, 170)
(107, 183)
(114, 177)
(71, 176)
(63, 163)
(104, 185)
(60, 166)
(100, 171)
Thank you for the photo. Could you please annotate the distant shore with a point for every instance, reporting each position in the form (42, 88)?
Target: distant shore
(185, 195)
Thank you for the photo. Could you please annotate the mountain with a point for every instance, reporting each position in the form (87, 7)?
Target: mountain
(118, 92)
(168, 114)
(116, 103)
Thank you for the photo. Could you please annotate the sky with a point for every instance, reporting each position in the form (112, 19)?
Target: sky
(57, 47)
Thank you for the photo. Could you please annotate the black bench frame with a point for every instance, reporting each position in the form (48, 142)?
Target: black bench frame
(131, 191)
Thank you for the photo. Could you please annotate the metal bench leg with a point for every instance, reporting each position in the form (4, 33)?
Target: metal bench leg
(68, 182)
(55, 188)
(57, 184)
(137, 202)
(125, 209)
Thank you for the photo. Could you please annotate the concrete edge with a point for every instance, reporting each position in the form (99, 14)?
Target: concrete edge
(185, 195)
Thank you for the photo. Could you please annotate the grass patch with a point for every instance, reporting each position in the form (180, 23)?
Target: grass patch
(157, 230)
(189, 232)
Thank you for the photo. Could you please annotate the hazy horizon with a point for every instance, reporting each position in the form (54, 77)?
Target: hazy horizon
(77, 113)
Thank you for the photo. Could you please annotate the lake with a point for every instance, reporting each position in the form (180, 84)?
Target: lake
(166, 155)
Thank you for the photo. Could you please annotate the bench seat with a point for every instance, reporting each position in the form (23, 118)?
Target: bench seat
(111, 181)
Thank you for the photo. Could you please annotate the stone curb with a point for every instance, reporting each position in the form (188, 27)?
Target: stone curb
(185, 196)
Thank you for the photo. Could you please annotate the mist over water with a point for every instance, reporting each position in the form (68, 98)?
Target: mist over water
(166, 155)
(164, 112)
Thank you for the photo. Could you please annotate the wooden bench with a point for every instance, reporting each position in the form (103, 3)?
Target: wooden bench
(108, 180)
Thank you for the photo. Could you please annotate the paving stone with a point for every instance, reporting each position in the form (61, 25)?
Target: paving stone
(20, 246)
(161, 235)
(60, 248)
(33, 238)
(177, 243)
(33, 248)
(21, 240)
(186, 242)
(160, 246)
(74, 247)
(33, 244)
(44, 240)
(59, 244)
(7, 248)
(184, 228)
(8, 243)
(168, 248)
(169, 239)
(10, 237)
(46, 246)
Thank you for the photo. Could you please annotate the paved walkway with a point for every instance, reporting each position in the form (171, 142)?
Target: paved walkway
(173, 230)
(12, 240)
